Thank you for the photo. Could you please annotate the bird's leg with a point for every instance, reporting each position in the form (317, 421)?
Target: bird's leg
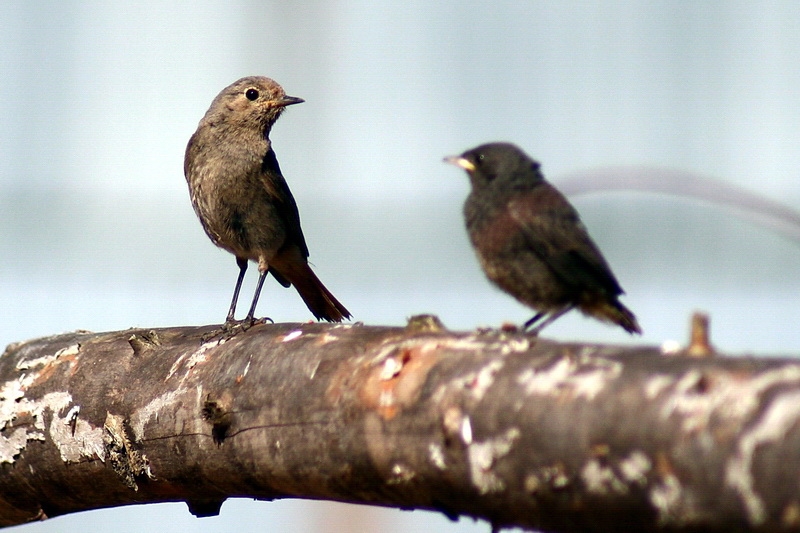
(547, 321)
(231, 327)
(249, 319)
(532, 321)
(242, 269)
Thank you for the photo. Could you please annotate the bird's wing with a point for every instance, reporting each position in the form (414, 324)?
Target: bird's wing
(277, 187)
(554, 232)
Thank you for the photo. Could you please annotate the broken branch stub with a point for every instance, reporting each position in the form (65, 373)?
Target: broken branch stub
(512, 429)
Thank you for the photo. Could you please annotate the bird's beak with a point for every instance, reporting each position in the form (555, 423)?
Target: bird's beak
(459, 161)
(288, 100)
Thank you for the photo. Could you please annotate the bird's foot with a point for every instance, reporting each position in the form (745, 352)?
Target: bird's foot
(225, 332)
(532, 331)
(231, 328)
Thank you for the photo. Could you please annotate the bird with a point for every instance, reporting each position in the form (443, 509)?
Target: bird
(242, 199)
(531, 243)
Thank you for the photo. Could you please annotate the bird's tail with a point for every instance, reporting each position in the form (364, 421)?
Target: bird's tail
(614, 311)
(624, 317)
(322, 304)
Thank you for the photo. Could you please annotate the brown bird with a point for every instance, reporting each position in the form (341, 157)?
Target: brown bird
(531, 242)
(243, 200)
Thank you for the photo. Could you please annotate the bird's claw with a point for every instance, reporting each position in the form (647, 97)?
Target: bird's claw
(231, 328)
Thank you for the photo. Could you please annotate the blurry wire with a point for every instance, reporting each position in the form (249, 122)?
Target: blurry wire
(746, 204)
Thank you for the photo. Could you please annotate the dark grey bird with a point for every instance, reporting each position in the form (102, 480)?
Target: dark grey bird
(531, 242)
(242, 199)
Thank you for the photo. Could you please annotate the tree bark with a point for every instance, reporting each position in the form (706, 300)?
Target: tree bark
(512, 429)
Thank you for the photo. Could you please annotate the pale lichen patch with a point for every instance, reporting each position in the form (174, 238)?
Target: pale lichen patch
(600, 478)
(485, 378)
(516, 345)
(14, 403)
(670, 347)
(13, 444)
(12, 399)
(635, 468)
(478, 382)
(728, 398)
(583, 377)
(292, 335)
(778, 419)
(71, 350)
(436, 455)
(657, 384)
(326, 338)
(401, 473)
(466, 431)
(143, 415)
(195, 358)
(76, 439)
(483, 457)
(667, 498)
(391, 368)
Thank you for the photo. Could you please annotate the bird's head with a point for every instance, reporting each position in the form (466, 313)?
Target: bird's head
(489, 163)
(254, 102)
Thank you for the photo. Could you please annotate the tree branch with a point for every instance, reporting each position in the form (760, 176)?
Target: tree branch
(496, 425)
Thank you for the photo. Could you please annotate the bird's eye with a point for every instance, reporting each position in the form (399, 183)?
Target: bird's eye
(480, 158)
(251, 94)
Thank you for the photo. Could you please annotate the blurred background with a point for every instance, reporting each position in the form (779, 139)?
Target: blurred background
(97, 231)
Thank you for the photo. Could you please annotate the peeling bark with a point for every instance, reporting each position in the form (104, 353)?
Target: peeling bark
(496, 425)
